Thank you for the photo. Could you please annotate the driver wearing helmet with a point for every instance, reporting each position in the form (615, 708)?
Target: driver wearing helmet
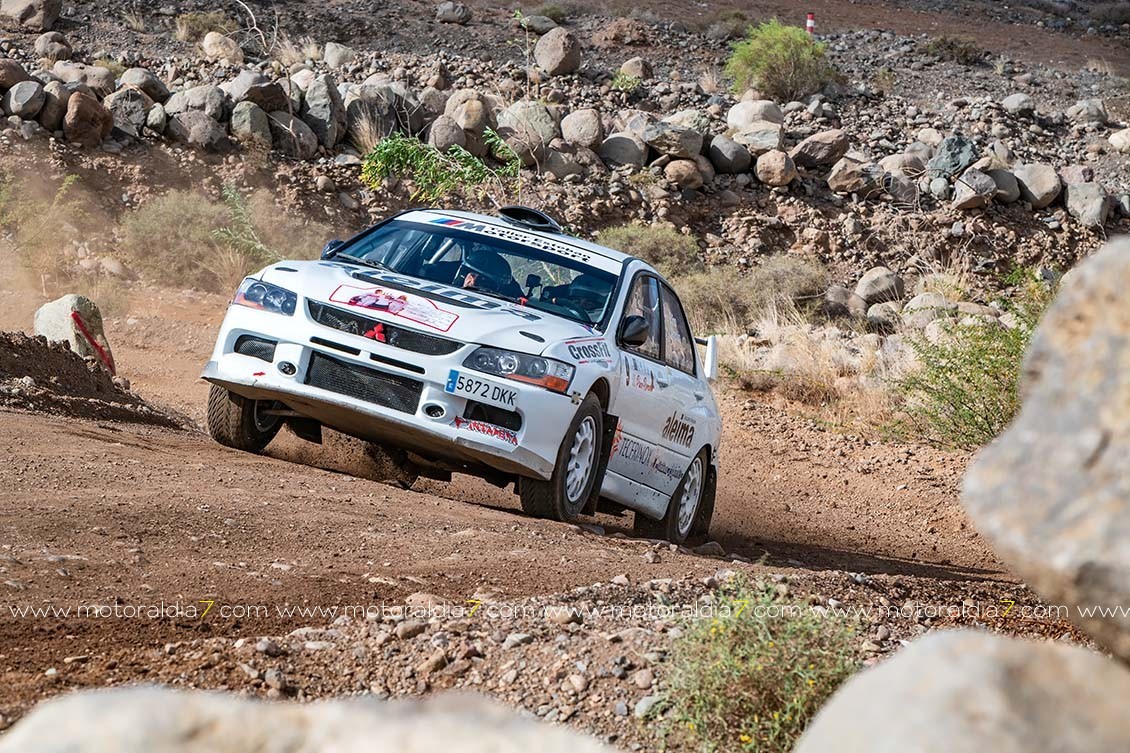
(486, 270)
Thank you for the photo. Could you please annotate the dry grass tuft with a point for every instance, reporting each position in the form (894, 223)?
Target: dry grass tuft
(290, 52)
(192, 26)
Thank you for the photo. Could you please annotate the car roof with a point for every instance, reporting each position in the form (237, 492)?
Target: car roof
(426, 215)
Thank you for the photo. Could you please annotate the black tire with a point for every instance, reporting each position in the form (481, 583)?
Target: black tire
(557, 499)
(674, 527)
(235, 422)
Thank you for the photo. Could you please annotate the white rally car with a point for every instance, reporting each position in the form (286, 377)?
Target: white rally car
(496, 346)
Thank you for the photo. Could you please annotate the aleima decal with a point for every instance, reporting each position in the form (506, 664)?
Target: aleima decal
(679, 429)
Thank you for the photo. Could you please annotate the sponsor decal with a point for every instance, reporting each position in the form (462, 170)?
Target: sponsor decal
(410, 307)
(490, 430)
(617, 438)
(679, 429)
(660, 467)
(635, 451)
(639, 375)
(593, 350)
(527, 239)
(458, 297)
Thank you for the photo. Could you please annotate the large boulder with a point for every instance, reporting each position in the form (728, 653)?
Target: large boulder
(880, 285)
(291, 136)
(11, 73)
(196, 128)
(53, 46)
(1019, 104)
(583, 128)
(1008, 190)
(974, 189)
(760, 136)
(974, 691)
(637, 68)
(924, 308)
(953, 156)
(1120, 140)
(673, 140)
(56, 95)
(825, 148)
(1039, 183)
(1050, 493)
(130, 108)
(445, 133)
(159, 720)
(528, 128)
(728, 156)
(684, 173)
(249, 124)
(624, 149)
(86, 121)
(100, 80)
(324, 111)
(775, 168)
(222, 48)
(35, 15)
(207, 98)
(253, 86)
(452, 12)
(839, 302)
(1088, 203)
(852, 176)
(1088, 111)
(153, 87)
(338, 55)
(745, 113)
(76, 321)
(24, 100)
(558, 52)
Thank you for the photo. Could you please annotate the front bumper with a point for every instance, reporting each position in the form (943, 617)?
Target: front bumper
(382, 393)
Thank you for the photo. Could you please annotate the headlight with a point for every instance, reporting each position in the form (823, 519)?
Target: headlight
(522, 367)
(263, 295)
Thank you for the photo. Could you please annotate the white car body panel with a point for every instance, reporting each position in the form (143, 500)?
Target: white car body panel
(665, 416)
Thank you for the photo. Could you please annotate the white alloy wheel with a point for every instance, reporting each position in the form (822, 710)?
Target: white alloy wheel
(582, 457)
(692, 495)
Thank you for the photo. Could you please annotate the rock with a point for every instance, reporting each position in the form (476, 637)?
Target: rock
(954, 155)
(292, 136)
(1019, 104)
(324, 111)
(684, 173)
(450, 12)
(35, 15)
(728, 156)
(880, 285)
(558, 52)
(644, 706)
(538, 24)
(1070, 175)
(1008, 190)
(207, 98)
(624, 149)
(560, 615)
(1088, 111)
(99, 79)
(338, 55)
(55, 321)
(746, 113)
(851, 176)
(775, 168)
(1088, 203)
(583, 128)
(55, 98)
(905, 163)
(435, 662)
(195, 128)
(841, 302)
(974, 189)
(11, 73)
(636, 67)
(528, 128)
(673, 140)
(1039, 183)
(86, 121)
(643, 679)
(513, 640)
(53, 46)
(157, 120)
(925, 308)
(249, 123)
(130, 108)
(760, 137)
(151, 719)
(253, 86)
(445, 133)
(884, 317)
(824, 148)
(986, 692)
(562, 164)
(1120, 140)
(219, 47)
(153, 87)
(24, 100)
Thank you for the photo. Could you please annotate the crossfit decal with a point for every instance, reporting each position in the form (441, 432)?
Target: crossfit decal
(589, 351)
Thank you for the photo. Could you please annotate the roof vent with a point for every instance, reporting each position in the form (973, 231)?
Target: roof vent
(531, 219)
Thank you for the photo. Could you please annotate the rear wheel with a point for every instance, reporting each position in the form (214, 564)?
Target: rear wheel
(564, 495)
(685, 510)
(240, 423)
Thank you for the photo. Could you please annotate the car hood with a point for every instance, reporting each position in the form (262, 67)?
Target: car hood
(428, 307)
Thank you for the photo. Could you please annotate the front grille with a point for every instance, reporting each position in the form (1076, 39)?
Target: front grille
(398, 337)
(476, 411)
(372, 386)
(256, 347)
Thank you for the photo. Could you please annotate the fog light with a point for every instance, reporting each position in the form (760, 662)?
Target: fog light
(288, 368)
(434, 410)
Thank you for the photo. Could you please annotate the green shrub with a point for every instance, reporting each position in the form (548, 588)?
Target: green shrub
(623, 82)
(782, 62)
(753, 677)
(661, 246)
(966, 388)
(954, 49)
(722, 300)
(437, 173)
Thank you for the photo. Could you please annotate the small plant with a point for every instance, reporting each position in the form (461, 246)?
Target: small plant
(623, 82)
(966, 388)
(134, 21)
(290, 52)
(728, 24)
(782, 62)
(662, 246)
(954, 49)
(883, 82)
(435, 173)
(192, 26)
(753, 677)
(41, 222)
(114, 66)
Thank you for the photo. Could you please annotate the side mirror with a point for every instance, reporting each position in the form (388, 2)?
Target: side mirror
(329, 250)
(634, 331)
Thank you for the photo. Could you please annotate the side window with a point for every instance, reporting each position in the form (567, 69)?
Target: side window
(643, 301)
(678, 345)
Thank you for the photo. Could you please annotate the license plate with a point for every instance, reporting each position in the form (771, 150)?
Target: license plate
(481, 390)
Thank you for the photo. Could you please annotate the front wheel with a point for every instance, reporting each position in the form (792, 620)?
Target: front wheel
(685, 510)
(237, 422)
(563, 497)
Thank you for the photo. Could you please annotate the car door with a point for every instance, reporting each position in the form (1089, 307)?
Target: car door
(685, 428)
(644, 398)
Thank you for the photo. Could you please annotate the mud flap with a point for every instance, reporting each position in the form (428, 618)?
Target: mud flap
(610, 424)
(306, 428)
(701, 527)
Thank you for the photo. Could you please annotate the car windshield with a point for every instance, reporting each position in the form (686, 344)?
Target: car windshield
(524, 275)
